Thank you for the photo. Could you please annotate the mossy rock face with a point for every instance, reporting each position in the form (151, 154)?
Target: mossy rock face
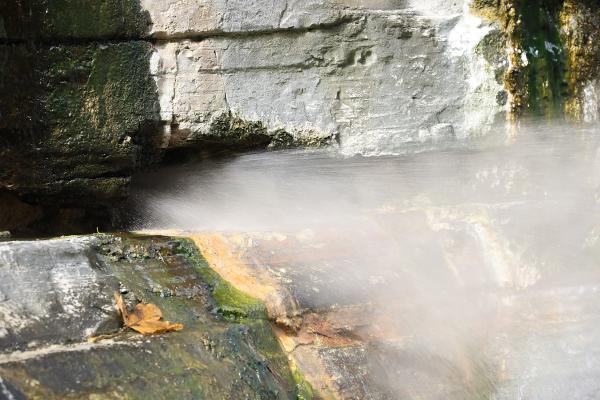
(77, 120)
(580, 30)
(56, 20)
(213, 357)
(536, 79)
(545, 70)
(492, 49)
(231, 303)
(231, 132)
(78, 106)
(554, 53)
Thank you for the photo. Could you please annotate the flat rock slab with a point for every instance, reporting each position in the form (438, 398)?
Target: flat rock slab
(466, 319)
(54, 294)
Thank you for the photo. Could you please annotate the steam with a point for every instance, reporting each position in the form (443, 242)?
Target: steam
(480, 261)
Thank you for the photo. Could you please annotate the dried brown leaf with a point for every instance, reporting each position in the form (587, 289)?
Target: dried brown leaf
(153, 327)
(145, 319)
(144, 312)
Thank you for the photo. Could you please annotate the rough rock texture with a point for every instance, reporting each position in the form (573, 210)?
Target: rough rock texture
(458, 312)
(79, 110)
(553, 54)
(372, 74)
(80, 122)
(333, 321)
(75, 122)
(56, 293)
(580, 30)
(184, 18)
(459, 274)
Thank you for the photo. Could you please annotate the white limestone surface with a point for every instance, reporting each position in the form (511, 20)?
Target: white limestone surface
(377, 74)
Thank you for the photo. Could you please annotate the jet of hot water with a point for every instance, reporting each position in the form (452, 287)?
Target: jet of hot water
(480, 261)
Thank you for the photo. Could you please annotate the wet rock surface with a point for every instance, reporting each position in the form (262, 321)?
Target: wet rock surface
(58, 21)
(54, 294)
(485, 323)
(340, 319)
(552, 48)
(456, 275)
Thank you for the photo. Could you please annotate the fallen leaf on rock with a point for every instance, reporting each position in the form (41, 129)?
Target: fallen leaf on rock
(149, 327)
(145, 319)
(143, 312)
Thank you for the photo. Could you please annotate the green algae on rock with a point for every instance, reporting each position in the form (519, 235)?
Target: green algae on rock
(540, 44)
(580, 30)
(553, 53)
(305, 389)
(535, 78)
(231, 303)
(213, 357)
(230, 132)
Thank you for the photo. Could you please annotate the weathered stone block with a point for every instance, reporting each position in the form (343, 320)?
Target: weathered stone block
(77, 119)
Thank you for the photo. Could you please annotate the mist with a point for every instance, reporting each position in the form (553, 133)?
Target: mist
(478, 260)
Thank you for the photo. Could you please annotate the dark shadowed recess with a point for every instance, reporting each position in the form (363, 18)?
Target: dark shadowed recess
(78, 112)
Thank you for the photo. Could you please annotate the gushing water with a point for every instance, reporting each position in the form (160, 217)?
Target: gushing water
(480, 261)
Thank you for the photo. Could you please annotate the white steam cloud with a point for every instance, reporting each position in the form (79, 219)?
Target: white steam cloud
(482, 262)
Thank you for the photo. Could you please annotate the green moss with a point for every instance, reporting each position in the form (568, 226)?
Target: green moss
(84, 117)
(492, 49)
(210, 358)
(556, 53)
(539, 37)
(281, 139)
(235, 133)
(97, 96)
(580, 25)
(537, 78)
(77, 110)
(176, 277)
(305, 390)
(232, 303)
(237, 306)
(231, 133)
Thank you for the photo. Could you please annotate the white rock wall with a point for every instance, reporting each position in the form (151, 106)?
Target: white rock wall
(378, 74)
(591, 105)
